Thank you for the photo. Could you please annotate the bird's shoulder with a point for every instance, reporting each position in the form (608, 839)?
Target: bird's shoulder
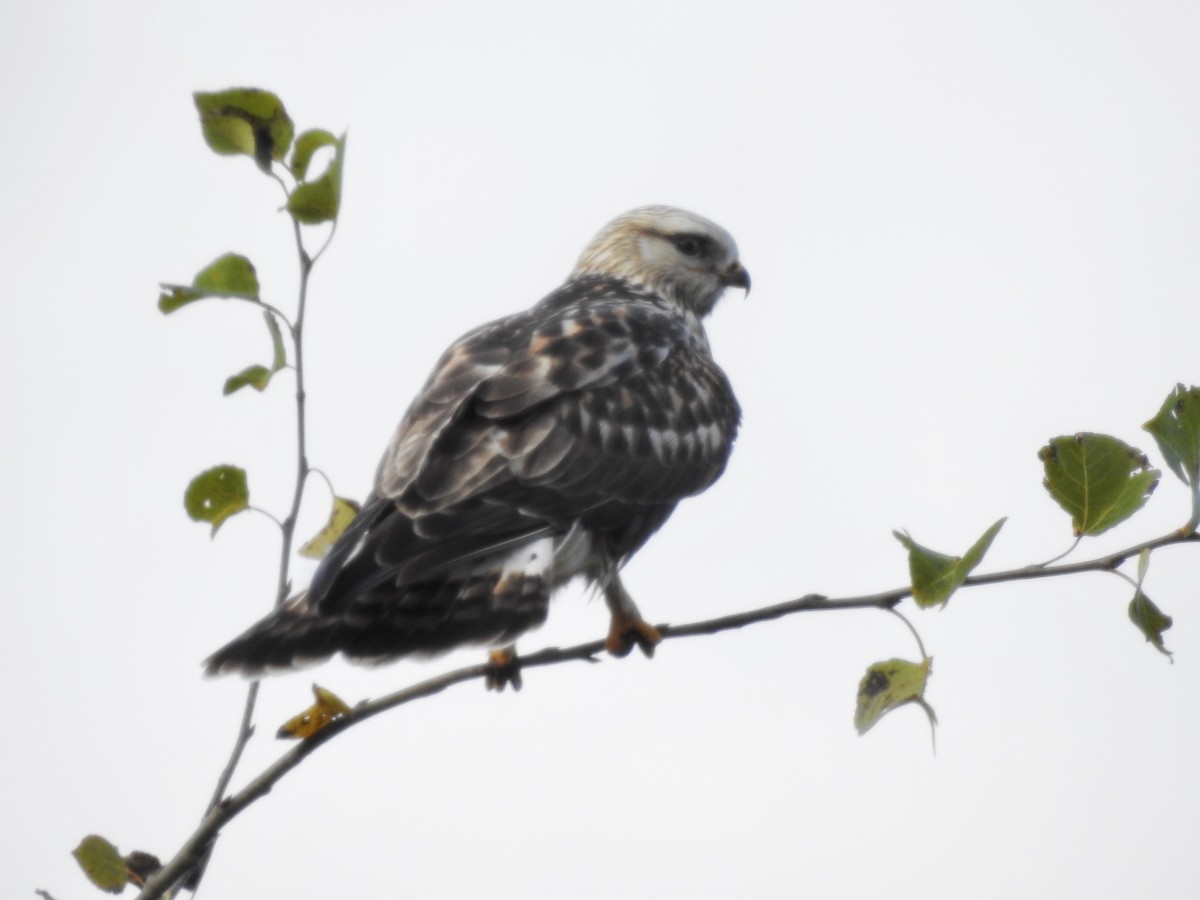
(596, 309)
(588, 335)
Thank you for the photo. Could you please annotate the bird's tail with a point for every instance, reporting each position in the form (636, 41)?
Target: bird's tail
(384, 625)
(288, 638)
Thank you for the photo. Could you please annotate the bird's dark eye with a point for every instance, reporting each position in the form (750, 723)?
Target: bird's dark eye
(689, 244)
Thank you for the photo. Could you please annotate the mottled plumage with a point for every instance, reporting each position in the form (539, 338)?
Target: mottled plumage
(546, 445)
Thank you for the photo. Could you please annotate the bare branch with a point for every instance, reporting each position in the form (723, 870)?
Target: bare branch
(245, 732)
(289, 524)
(217, 817)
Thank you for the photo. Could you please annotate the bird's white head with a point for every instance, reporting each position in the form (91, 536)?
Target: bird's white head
(679, 255)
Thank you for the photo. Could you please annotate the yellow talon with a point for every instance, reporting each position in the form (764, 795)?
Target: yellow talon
(503, 669)
(626, 631)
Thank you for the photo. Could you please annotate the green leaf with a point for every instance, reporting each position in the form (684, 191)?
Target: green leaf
(101, 863)
(173, 296)
(340, 517)
(1176, 428)
(306, 145)
(215, 495)
(245, 121)
(231, 275)
(319, 201)
(1150, 620)
(257, 377)
(1099, 480)
(279, 358)
(935, 576)
(888, 685)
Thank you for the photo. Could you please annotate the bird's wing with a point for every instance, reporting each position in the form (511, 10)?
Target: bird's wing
(506, 368)
(609, 408)
(615, 382)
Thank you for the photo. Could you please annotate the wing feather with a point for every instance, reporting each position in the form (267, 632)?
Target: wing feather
(609, 411)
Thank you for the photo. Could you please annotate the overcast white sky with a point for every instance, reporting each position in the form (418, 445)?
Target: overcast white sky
(971, 227)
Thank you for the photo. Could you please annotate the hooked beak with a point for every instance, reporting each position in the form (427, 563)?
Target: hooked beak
(737, 276)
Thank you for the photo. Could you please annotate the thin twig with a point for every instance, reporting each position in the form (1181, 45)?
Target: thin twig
(1100, 564)
(245, 731)
(199, 859)
(219, 816)
(297, 329)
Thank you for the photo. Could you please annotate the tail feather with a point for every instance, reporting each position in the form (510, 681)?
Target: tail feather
(388, 624)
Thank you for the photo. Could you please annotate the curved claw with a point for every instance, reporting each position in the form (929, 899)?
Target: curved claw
(503, 669)
(626, 631)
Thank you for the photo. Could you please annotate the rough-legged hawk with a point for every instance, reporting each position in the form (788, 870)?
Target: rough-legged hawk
(545, 445)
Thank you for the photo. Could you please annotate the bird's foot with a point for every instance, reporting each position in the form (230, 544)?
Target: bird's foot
(627, 630)
(503, 669)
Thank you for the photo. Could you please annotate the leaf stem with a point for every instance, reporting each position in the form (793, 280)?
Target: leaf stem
(328, 483)
(266, 307)
(325, 245)
(1122, 575)
(271, 516)
(1066, 552)
(903, 618)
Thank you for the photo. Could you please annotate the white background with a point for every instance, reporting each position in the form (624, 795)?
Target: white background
(971, 227)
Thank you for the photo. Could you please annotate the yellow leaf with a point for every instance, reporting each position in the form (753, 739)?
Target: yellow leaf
(888, 685)
(328, 707)
(102, 863)
(340, 517)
